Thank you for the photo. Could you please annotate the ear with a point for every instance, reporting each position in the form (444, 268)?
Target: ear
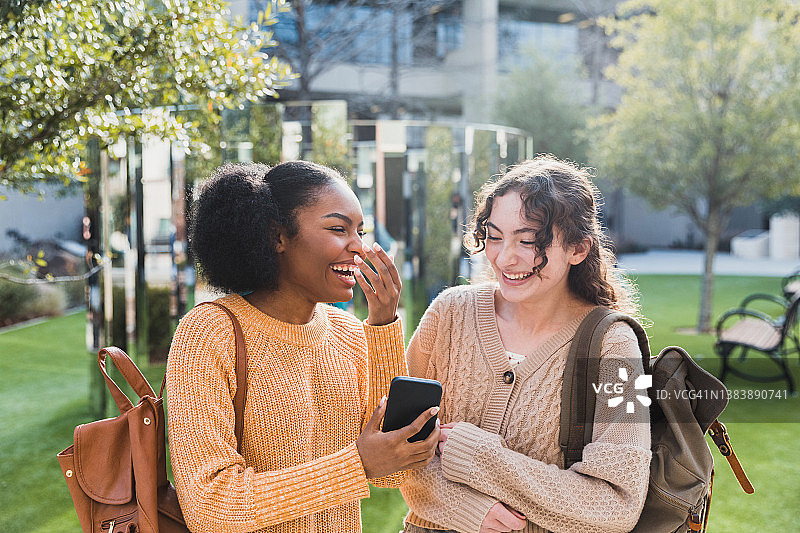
(580, 251)
(280, 242)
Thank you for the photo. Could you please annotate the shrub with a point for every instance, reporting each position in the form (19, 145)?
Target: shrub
(13, 299)
(74, 292)
(48, 300)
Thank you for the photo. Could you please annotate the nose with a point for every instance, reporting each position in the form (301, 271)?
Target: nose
(355, 245)
(505, 256)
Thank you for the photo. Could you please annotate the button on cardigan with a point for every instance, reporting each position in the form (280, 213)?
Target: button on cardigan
(311, 388)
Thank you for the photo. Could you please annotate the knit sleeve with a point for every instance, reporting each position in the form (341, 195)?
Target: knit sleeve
(217, 490)
(386, 360)
(604, 492)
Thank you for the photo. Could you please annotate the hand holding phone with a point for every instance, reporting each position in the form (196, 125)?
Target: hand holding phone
(408, 398)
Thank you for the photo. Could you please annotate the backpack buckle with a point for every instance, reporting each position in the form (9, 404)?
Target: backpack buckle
(719, 434)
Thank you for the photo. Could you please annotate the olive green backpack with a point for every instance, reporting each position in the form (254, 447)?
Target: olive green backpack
(685, 401)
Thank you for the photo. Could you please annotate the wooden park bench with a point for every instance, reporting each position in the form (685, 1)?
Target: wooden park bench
(743, 330)
(791, 284)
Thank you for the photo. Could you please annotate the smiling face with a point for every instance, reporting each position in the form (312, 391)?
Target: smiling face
(511, 251)
(317, 263)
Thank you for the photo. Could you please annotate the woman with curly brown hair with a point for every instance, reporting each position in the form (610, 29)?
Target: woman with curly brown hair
(499, 349)
(284, 241)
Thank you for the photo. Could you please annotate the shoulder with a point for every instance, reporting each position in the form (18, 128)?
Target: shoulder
(341, 323)
(621, 342)
(207, 317)
(455, 297)
(204, 339)
(620, 331)
(339, 316)
(204, 324)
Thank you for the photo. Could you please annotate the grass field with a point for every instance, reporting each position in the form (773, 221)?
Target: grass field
(45, 372)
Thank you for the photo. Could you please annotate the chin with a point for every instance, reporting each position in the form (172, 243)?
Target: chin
(339, 297)
(516, 294)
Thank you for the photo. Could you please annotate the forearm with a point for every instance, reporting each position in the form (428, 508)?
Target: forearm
(437, 500)
(232, 498)
(613, 477)
(386, 360)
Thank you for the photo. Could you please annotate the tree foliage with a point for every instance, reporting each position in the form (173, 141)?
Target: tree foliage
(439, 269)
(710, 115)
(71, 70)
(545, 101)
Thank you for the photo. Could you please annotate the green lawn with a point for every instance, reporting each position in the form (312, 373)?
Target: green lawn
(45, 372)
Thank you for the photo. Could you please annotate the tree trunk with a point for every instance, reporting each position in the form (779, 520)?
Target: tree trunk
(713, 232)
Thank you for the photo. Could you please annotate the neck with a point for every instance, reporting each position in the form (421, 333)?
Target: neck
(542, 315)
(281, 305)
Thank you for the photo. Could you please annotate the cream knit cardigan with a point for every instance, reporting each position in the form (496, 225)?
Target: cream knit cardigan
(505, 446)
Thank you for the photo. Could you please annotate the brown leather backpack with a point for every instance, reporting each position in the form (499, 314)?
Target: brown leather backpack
(685, 401)
(116, 468)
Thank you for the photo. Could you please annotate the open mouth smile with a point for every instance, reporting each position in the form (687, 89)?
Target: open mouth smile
(345, 273)
(517, 277)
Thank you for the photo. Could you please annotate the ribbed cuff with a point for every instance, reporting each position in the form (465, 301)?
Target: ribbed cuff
(472, 510)
(460, 449)
(474, 507)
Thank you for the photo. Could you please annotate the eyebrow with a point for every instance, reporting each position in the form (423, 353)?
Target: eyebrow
(342, 217)
(515, 232)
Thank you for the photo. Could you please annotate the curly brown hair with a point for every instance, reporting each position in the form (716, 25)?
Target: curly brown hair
(560, 194)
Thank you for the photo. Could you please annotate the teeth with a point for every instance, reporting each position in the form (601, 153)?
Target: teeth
(517, 276)
(345, 269)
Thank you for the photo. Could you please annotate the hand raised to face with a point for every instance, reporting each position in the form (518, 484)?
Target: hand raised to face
(381, 285)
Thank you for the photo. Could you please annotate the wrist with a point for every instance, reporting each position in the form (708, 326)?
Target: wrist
(377, 322)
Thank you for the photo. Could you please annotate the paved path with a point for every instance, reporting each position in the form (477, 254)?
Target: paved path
(691, 262)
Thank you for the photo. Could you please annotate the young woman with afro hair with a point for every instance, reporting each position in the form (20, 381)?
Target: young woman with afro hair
(283, 242)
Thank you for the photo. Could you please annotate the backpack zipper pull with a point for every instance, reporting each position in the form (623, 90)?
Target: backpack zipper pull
(719, 434)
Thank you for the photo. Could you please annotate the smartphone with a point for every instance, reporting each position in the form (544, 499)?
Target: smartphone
(408, 398)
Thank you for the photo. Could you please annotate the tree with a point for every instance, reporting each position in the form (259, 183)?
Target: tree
(80, 69)
(544, 101)
(710, 115)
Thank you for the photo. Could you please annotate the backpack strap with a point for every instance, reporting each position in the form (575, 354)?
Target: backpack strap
(582, 367)
(719, 434)
(240, 397)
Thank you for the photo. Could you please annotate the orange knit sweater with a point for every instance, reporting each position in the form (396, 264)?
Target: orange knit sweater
(311, 388)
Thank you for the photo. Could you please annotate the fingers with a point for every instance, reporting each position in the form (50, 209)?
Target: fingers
(516, 513)
(424, 451)
(366, 273)
(444, 434)
(374, 423)
(381, 284)
(387, 264)
(416, 426)
(508, 519)
(385, 275)
(427, 447)
(500, 518)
